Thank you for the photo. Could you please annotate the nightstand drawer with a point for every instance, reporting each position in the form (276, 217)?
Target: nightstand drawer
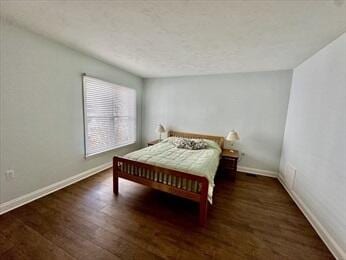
(229, 164)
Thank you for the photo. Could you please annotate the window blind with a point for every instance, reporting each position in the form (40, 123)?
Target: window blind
(109, 115)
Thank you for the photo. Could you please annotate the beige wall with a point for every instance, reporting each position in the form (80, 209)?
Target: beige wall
(255, 104)
(41, 110)
(315, 139)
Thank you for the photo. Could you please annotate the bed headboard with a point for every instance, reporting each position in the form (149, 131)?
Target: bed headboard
(218, 139)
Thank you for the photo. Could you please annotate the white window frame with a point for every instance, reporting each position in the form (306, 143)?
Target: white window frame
(85, 117)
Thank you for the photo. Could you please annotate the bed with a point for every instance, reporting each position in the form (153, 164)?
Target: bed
(181, 172)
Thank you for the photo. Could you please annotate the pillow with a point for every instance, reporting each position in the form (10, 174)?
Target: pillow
(190, 144)
(199, 144)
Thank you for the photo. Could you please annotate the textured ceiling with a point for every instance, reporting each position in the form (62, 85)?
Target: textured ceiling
(174, 38)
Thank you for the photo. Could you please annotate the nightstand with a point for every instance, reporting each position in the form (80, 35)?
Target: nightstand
(229, 161)
(153, 142)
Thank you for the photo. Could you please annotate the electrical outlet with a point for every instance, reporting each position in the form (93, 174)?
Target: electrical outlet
(9, 174)
(242, 154)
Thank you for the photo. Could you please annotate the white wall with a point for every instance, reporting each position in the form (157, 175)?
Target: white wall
(315, 137)
(41, 110)
(255, 104)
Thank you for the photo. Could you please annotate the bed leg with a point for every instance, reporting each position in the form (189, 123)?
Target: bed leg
(115, 177)
(203, 204)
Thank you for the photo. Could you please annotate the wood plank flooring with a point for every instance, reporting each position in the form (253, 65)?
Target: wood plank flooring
(251, 218)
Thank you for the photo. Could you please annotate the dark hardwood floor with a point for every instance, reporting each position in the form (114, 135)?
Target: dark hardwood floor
(251, 218)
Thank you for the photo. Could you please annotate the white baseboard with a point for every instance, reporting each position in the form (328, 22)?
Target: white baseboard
(20, 201)
(329, 241)
(258, 171)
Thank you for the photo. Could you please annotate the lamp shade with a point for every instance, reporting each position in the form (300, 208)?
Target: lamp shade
(160, 129)
(232, 136)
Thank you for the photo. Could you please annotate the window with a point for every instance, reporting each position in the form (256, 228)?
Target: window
(109, 116)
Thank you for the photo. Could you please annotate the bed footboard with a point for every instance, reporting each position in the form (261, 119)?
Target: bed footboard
(175, 182)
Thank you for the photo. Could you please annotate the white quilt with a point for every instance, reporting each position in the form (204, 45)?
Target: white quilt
(202, 162)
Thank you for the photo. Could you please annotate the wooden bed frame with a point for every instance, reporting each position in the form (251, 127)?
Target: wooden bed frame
(175, 182)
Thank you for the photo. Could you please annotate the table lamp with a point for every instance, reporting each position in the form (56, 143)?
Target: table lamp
(160, 129)
(232, 137)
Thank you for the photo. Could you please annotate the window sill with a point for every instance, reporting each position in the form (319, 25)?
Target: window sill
(94, 155)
